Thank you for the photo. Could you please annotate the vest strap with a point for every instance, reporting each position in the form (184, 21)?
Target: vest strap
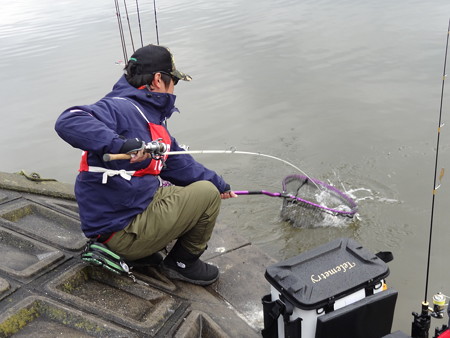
(126, 174)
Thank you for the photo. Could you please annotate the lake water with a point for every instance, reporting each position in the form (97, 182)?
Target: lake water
(348, 91)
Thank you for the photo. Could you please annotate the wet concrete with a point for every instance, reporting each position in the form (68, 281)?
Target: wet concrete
(46, 290)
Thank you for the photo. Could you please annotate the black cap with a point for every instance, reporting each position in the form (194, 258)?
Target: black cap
(152, 59)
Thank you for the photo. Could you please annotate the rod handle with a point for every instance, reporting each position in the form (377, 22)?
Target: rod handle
(114, 157)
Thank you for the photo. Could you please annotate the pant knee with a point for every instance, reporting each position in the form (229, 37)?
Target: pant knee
(206, 188)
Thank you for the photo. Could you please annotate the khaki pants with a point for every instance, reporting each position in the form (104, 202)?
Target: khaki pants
(188, 213)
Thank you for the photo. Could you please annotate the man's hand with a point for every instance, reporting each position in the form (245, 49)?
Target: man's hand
(140, 156)
(227, 194)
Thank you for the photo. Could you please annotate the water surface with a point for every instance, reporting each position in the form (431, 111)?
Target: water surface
(349, 91)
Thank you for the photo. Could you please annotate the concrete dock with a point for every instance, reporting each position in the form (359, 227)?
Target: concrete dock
(46, 290)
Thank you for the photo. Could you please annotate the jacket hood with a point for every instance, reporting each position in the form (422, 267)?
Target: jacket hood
(163, 102)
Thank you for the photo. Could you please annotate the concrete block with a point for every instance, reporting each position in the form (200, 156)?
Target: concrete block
(6, 196)
(199, 324)
(67, 207)
(115, 297)
(154, 277)
(4, 287)
(18, 182)
(42, 223)
(39, 316)
(23, 257)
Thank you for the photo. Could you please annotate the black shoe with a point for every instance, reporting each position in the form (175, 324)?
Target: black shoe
(182, 265)
(153, 260)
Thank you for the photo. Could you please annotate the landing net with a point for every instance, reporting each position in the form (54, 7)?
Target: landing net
(305, 196)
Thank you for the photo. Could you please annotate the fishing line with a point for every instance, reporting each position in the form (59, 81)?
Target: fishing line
(440, 124)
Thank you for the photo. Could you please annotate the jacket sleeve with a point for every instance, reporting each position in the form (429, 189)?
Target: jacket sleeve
(184, 169)
(84, 129)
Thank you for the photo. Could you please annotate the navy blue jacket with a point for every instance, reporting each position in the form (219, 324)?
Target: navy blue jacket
(101, 128)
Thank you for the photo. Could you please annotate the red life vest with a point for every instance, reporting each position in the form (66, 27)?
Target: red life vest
(445, 334)
(157, 131)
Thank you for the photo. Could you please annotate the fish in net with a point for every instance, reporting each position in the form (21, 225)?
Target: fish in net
(309, 202)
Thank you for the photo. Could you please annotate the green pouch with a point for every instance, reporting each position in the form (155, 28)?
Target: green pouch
(99, 255)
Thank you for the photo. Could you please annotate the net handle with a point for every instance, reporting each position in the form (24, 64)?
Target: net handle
(257, 192)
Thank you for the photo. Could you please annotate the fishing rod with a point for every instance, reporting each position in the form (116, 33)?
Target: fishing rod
(139, 22)
(345, 207)
(422, 321)
(435, 187)
(158, 148)
(121, 33)
(156, 22)
(130, 30)
(129, 25)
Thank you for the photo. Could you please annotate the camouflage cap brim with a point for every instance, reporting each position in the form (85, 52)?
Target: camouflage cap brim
(181, 76)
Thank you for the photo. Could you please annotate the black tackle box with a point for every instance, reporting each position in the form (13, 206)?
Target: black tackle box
(313, 292)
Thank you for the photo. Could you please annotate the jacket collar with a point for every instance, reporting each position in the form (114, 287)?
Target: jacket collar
(164, 103)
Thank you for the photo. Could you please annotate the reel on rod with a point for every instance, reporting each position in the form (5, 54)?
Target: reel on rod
(439, 304)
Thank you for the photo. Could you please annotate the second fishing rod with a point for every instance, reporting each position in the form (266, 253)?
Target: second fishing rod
(422, 321)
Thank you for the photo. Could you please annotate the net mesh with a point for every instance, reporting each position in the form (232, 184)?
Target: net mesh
(306, 196)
